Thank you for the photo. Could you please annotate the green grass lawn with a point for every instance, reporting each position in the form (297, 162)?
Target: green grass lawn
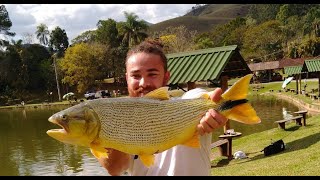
(301, 156)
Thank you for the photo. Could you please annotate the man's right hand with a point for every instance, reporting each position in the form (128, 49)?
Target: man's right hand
(116, 162)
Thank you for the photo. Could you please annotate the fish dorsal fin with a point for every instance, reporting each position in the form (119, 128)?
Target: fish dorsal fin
(239, 90)
(160, 93)
(147, 160)
(193, 142)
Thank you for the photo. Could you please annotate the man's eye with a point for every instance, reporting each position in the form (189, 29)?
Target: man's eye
(135, 76)
(153, 75)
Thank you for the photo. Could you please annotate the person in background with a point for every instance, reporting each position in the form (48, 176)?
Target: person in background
(146, 70)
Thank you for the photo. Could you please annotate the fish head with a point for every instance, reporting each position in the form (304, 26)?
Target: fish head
(80, 125)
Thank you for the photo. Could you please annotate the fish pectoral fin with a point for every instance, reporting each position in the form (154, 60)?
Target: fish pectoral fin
(193, 142)
(160, 93)
(98, 151)
(147, 160)
(244, 113)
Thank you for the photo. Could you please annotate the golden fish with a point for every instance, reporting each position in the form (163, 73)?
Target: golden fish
(147, 125)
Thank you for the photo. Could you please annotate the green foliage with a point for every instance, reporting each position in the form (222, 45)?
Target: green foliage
(107, 32)
(85, 37)
(177, 39)
(5, 25)
(264, 39)
(311, 21)
(32, 57)
(84, 63)
(132, 31)
(310, 47)
(225, 34)
(203, 41)
(263, 12)
(5, 22)
(58, 40)
(21, 70)
(42, 33)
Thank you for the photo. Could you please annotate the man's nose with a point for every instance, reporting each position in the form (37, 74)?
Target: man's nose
(144, 82)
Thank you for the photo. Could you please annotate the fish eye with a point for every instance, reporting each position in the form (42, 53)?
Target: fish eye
(64, 117)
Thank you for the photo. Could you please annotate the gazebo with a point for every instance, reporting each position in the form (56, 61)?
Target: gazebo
(211, 64)
(313, 66)
(295, 71)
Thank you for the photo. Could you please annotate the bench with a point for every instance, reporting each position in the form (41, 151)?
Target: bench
(313, 96)
(223, 146)
(282, 123)
(303, 113)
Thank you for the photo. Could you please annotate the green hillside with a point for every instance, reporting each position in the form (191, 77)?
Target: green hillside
(204, 18)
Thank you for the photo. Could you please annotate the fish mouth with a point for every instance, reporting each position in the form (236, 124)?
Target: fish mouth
(54, 120)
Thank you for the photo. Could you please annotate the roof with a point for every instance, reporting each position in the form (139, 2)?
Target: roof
(291, 62)
(276, 64)
(264, 66)
(206, 64)
(311, 65)
(292, 70)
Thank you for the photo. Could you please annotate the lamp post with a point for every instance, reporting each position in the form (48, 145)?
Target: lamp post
(56, 73)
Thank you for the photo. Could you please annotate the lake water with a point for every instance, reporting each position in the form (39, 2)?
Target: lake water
(26, 149)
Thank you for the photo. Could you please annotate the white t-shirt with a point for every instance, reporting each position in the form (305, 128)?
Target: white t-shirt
(178, 161)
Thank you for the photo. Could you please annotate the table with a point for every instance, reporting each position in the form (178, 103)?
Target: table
(229, 138)
(303, 113)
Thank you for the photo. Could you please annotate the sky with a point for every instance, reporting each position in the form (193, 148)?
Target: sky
(78, 18)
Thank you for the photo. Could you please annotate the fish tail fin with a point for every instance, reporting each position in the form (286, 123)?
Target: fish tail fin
(235, 106)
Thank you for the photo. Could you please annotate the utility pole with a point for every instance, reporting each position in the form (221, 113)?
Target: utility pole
(55, 70)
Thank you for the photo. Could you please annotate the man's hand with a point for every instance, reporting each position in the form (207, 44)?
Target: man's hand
(116, 163)
(212, 119)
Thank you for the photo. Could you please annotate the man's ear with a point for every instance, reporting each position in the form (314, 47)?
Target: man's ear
(166, 77)
(127, 77)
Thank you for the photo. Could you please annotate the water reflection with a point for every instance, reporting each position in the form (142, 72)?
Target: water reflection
(286, 114)
(26, 149)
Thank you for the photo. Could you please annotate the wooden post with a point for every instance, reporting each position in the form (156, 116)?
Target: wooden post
(300, 90)
(297, 83)
(318, 84)
(224, 87)
(191, 85)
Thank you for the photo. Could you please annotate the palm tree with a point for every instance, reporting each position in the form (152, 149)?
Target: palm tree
(42, 33)
(132, 30)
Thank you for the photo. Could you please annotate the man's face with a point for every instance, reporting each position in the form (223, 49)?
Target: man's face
(145, 73)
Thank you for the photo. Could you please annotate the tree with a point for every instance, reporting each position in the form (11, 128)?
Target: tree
(5, 24)
(27, 38)
(132, 30)
(42, 34)
(311, 19)
(203, 41)
(264, 40)
(107, 32)
(263, 12)
(86, 37)
(177, 39)
(84, 63)
(58, 43)
(59, 40)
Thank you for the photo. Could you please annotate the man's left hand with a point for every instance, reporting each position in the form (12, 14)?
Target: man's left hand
(212, 119)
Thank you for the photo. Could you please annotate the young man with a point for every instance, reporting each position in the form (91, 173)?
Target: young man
(146, 70)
